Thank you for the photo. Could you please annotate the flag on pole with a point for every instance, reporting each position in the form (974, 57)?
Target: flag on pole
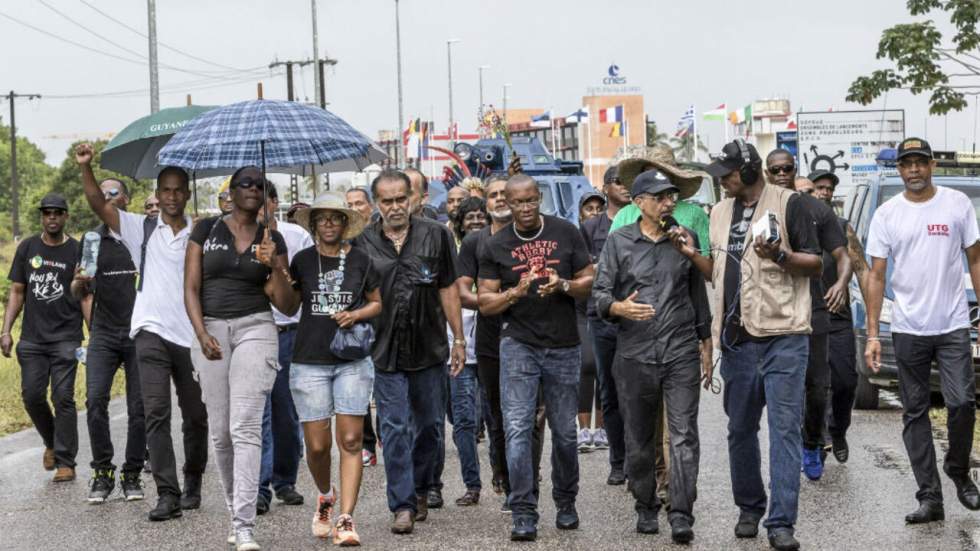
(618, 130)
(686, 124)
(741, 116)
(542, 121)
(580, 116)
(716, 114)
(611, 114)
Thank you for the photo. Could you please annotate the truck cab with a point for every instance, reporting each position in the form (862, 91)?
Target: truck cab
(859, 209)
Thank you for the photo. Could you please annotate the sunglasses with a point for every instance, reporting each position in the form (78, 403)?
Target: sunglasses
(331, 219)
(111, 193)
(782, 169)
(248, 183)
(52, 212)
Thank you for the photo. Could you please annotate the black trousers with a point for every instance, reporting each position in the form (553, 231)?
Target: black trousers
(603, 336)
(370, 438)
(160, 361)
(953, 356)
(843, 379)
(641, 388)
(51, 364)
(488, 372)
(815, 399)
(108, 349)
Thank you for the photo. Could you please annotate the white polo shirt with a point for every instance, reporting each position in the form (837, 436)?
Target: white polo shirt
(296, 239)
(159, 306)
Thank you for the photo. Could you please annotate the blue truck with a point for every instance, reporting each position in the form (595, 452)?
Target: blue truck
(859, 209)
(562, 183)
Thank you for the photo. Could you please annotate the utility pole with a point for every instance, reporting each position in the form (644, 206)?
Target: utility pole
(504, 114)
(151, 12)
(317, 77)
(323, 86)
(449, 57)
(481, 69)
(401, 114)
(14, 206)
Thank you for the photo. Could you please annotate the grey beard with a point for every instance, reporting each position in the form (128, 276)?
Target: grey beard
(502, 218)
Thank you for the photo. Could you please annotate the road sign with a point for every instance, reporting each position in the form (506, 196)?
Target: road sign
(847, 142)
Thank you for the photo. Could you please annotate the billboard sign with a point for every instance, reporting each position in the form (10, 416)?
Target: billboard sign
(847, 142)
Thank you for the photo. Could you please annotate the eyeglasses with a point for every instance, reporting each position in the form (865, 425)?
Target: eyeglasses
(111, 193)
(782, 169)
(526, 204)
(335, 219)
(914, 161)
(52, 212)
(248, 183)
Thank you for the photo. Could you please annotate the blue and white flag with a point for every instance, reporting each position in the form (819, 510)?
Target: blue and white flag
(541, 121)
(686, 124)
(580, 116)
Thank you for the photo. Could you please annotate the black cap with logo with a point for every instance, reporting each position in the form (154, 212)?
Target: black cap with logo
(611, 175)
(653, 182)
(53, 201)
(733, 157)
(914, 146)
(823, 174)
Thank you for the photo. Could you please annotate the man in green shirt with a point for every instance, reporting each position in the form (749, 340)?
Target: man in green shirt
(688, 182)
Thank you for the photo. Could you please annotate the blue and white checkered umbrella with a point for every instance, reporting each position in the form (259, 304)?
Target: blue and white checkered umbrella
(279, 136)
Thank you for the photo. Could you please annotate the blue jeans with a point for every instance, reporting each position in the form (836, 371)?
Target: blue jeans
(411, 408)
(603, 335)
(282, 437)
(766, 374)
(464, 390)
(523, 369)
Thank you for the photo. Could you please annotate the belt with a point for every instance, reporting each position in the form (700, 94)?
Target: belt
(287, 328)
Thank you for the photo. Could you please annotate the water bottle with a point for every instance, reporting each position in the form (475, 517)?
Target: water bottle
(81, 354)
(90, 253)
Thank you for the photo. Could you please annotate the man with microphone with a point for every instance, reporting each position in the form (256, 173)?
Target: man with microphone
(657, 295)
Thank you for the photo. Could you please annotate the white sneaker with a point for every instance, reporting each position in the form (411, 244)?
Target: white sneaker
(231, 535)
(322, 523)
(245, 541)
(600, 440)
(584, 441)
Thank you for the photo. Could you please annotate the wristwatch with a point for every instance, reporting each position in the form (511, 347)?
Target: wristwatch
(565, 285)
(781, 257)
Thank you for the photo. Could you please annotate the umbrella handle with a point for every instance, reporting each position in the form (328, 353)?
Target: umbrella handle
(265, 188)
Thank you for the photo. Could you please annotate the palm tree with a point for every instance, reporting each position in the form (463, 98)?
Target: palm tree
(654, 136)
(684, 147)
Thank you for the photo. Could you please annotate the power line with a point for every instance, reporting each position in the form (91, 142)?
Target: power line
(90, 31)
(142, 34)
(174, 89)
(112, 55)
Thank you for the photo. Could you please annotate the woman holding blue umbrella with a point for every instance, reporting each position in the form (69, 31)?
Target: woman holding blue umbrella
(234, 268)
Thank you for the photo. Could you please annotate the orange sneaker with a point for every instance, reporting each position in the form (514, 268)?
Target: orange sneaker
(322, 522)
(344, 533)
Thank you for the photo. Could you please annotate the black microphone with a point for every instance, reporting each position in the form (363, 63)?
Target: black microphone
(668, 223)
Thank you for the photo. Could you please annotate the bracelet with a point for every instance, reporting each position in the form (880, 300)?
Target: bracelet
(461, 342)
(876, 339)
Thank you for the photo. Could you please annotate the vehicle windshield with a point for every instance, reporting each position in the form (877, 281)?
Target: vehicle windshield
(973, 192)
(705, 194)
(547, 201)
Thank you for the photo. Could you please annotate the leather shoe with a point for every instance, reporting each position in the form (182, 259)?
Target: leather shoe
(616, 477)
(782, 539)
(747, 526)
(471, 497)
(64, 474)
(434, 498)
(523, 529)
(261, 504)
(927, 512)
(403, 523)
(646, 521)
(168, 507)
(567, 517)
(191, 498)
(289, 496)
(681, 531)
(967, 492)
(421, 508)
(47, 461)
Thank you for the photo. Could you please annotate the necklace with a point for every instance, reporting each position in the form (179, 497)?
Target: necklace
(331, 281)
(533, 237)
(397, 239)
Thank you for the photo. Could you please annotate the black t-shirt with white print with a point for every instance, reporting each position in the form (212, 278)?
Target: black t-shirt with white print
(326, 289)
(51, 314)
(232, 284)
(546, 322)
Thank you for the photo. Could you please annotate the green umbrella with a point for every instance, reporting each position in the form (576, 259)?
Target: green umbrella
(133, 151)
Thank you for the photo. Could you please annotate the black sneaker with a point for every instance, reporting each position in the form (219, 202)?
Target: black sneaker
(782, 539)
(262, 503)
(505, 506)
(434, 498)
(681, 531)
(840, 449)
(132, 486)
(748, 525)
(289, 496)
(523, 529)
(168, 507)
(103, 482)
(617, 477)
(567, 517)
(646, 521)
(191, 498)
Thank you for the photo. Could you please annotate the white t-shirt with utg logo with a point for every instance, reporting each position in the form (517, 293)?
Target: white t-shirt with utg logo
(925, 242)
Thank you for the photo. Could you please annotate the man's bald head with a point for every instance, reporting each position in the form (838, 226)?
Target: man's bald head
(804, 185)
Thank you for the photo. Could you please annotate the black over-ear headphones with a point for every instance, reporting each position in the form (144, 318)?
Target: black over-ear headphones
(748, 173)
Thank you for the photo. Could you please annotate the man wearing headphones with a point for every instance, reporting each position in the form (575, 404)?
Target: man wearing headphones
(762, 299)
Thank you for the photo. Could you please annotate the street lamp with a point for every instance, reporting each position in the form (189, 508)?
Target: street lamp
(481, 69)
(506, 86)
(449, 57)
(398, 60)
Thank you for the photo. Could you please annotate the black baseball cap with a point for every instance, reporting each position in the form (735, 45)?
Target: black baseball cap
(732, 158)
(611, 175)
(592, 194)
(822, 174)
(53, 201)
(652, 182)
(914, 146)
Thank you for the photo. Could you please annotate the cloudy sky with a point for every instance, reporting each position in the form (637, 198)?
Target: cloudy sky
(703, 52)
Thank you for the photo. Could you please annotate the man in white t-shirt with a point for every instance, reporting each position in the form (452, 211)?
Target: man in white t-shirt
(161, 331)
(924, 231)
(282, 438)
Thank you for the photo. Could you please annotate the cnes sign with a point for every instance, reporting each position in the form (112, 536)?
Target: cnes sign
(614, 76)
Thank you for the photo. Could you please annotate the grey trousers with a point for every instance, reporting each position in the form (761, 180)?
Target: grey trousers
(235, 389)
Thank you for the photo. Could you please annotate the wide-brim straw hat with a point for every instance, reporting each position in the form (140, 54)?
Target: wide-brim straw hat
(661, 157)
(335, 201)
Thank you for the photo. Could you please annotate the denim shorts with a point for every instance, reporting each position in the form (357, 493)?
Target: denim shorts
(320, 391)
